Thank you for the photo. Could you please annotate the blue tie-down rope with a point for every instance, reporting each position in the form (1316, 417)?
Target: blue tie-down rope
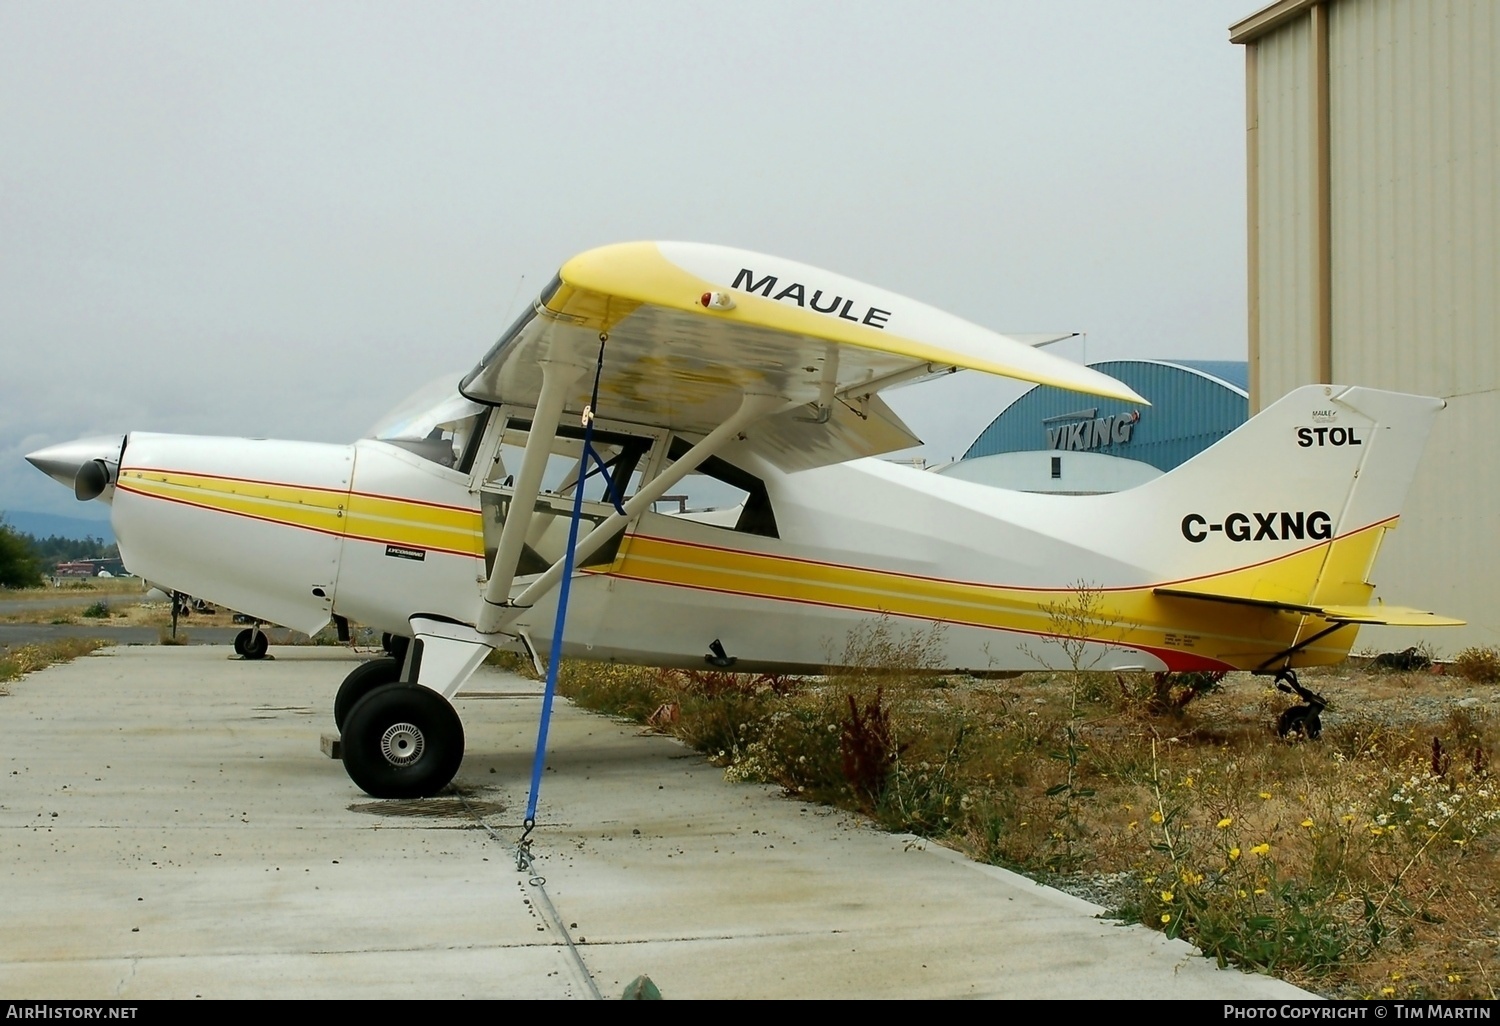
(554, 661)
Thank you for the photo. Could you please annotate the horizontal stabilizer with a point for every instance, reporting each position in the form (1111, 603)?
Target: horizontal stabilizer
(1395, 616)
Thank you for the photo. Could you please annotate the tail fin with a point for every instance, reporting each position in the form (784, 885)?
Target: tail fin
(1290, 509)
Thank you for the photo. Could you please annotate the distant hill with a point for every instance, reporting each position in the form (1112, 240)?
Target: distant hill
(45, 525)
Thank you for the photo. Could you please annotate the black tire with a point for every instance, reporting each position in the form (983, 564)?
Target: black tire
(256, 644)
(1301, 719)
(395, 645)
(403, 741)
(240, 641)
(363, 679)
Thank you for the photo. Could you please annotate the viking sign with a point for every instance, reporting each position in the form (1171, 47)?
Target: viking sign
(1083, 435)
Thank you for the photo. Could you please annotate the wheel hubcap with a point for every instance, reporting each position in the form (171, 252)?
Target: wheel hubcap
(402, 744)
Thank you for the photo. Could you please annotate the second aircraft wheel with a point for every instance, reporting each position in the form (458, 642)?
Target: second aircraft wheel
(363, 679)
(251, 643)
(402, 741)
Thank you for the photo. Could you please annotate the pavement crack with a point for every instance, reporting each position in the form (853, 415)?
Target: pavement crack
(135, 962)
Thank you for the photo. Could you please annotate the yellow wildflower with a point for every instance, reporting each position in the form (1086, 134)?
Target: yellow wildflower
(1188, 782)
(1132, 824)
(1265, 794)
(1234, 853)
(1166, 917)
(1225, 822)
(1307, 822)
(1455, 978)
(1260, 849)
(1260, 890)
(1156, 817)
(1387, 991)
(1167, 895)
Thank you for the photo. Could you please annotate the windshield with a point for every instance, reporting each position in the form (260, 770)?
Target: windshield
(435, 422)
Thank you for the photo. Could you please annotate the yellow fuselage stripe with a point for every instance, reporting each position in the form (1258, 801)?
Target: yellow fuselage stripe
(1132, 617)
(385, 519)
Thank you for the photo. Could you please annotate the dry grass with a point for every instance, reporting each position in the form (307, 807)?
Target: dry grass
(1363, 865)
(87, 589)
(1478, 664)
(24, 659)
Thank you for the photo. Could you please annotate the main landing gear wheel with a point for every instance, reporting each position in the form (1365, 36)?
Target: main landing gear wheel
(363, 679)
(251, 643)
(402, 741)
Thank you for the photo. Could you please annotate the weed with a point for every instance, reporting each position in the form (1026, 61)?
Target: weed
(1481, 665)
(515, 662)
(1163, 693)
(867, 749)
(98, 611)
(25, 659)
(1335, 866)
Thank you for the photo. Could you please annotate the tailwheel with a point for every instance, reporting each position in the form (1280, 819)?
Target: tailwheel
(402, 741)
(1300, 719)
(363, 679)
(251, 643)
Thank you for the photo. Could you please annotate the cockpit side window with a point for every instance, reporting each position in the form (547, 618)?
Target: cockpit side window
(717, 488)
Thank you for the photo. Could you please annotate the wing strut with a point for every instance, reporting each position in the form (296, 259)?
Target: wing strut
(751, 407)
(557, 378)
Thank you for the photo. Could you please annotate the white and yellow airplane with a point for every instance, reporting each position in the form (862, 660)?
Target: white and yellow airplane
(450, 528)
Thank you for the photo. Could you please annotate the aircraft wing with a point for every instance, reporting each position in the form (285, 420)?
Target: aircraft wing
(1396, 616)
(692, 328)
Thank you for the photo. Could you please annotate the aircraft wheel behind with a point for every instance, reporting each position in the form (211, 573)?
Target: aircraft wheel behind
(395, 645)
(251, 644)
(402, 741)
(363, 679)
(1301, 719)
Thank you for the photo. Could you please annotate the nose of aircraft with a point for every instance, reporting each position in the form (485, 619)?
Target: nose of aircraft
(87, 465)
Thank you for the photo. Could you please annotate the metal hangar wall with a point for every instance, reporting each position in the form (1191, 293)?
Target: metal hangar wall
(1373, 160)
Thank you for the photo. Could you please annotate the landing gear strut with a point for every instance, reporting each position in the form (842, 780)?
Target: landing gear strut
(1300, 719)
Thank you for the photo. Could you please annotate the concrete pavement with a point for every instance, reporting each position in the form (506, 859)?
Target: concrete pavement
(171, 830)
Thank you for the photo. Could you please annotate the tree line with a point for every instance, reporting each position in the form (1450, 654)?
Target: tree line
(26, 560)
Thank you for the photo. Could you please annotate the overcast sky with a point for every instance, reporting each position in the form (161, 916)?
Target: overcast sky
(277, 219)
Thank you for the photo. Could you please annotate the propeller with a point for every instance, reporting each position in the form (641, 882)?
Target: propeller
(88, 466)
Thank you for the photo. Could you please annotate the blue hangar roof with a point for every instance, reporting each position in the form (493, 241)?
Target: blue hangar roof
(1194, 403)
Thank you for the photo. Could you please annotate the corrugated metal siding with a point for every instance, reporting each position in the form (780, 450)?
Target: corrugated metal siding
(1288, 353)
(1189, 412)
(1414, 102)
(1443, 556)
(1413, 97)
